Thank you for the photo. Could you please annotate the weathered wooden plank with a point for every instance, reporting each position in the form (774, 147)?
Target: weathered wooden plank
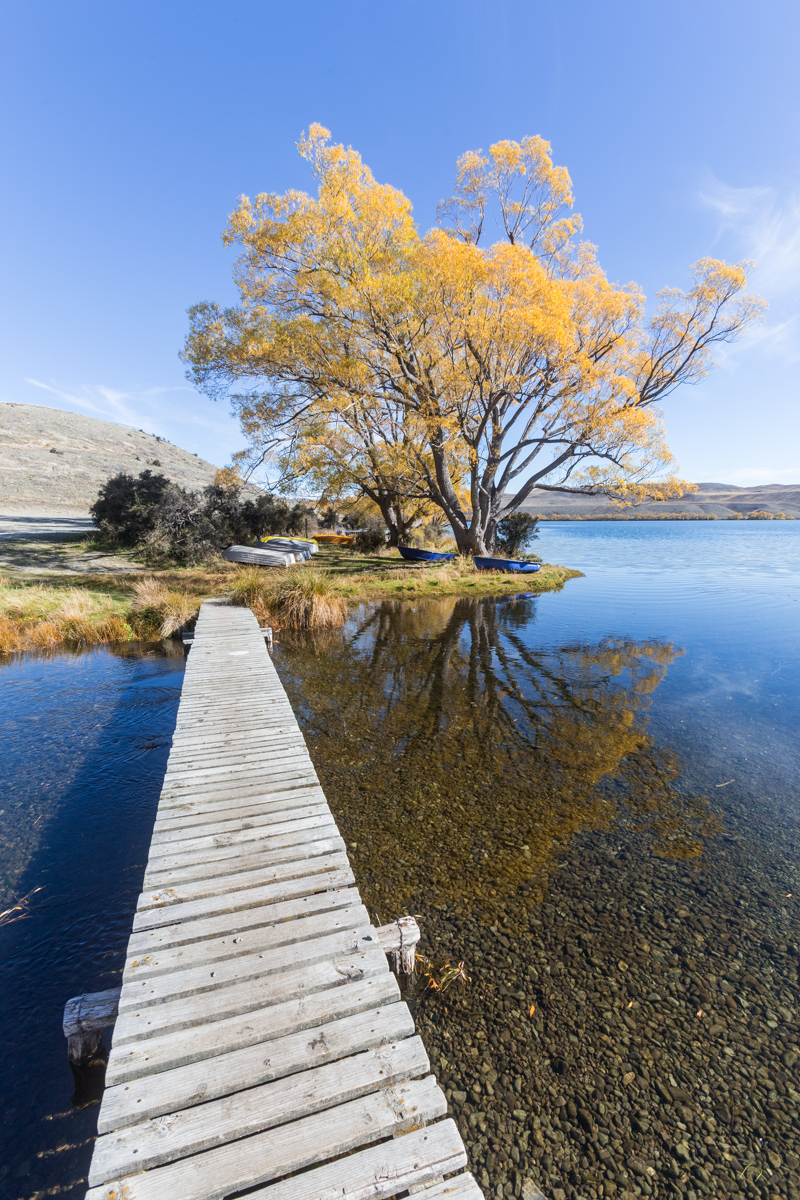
(238, 998)
(247, 941)
(206, 715)
(182, 1087)
(262, 720)
(214, 1174)
(300, 846)
(202, 696)
(297, 767)
(247, 898)
(268, 760)
(164, 1052)
(303, 837)
(222, 797)
(273, 780)
(463, 1187)
(251, 699)
(182, 933)
(190, 740)
(272, 747)
(151, 1143)
(197, 889)
(185, 982)
(204, 693)
(233, 810)
(205, 687)
(384, 1170)
(270, 750)
(264, 789)
(222, 833)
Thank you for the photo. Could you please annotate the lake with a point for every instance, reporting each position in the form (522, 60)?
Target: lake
(590, 798)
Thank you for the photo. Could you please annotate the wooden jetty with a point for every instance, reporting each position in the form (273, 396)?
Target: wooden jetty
(260, 1044)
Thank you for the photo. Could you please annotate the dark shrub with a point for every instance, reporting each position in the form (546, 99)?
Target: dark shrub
(176, 525)
(515, 533)
(186, 528)
(124, 508)
(370, 540)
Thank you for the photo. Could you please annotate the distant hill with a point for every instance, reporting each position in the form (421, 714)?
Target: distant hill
(55, 460)
(720, 500)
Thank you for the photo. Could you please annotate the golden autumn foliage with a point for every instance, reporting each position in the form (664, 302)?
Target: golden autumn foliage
(435, 369)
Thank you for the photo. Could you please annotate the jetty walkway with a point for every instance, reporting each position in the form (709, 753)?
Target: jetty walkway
(261, 1045)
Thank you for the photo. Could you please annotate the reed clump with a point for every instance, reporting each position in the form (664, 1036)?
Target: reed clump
(295, 598)
(37, 617)
(161, 611)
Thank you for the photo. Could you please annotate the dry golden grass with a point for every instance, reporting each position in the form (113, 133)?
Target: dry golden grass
(160, 610)
(297, 598)
(39, 616)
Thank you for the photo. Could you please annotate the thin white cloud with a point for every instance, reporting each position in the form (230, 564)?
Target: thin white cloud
(767, 226)
(176, 413)
(761, 224)
(124, 407)
(139, 409)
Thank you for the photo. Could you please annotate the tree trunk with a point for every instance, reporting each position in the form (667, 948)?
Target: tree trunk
(398, 526)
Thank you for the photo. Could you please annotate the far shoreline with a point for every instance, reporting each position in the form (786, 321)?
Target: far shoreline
(547, 518)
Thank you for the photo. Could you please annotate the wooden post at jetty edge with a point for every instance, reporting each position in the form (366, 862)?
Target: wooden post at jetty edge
(261, 1041)
(86, 1016)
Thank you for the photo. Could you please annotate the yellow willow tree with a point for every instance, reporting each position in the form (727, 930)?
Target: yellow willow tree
(516, 365)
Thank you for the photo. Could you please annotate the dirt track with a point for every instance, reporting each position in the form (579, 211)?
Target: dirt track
(34, 523)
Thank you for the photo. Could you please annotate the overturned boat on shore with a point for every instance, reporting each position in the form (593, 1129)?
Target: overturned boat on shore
(304, 546)
(257, 556)
(514, 565)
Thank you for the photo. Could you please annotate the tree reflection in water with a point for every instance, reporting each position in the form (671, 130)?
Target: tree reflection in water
(460, 761)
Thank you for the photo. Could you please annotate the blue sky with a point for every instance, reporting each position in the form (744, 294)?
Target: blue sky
(129, 130)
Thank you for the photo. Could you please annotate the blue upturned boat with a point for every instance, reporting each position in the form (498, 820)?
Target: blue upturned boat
(506, 564)
(428, 556)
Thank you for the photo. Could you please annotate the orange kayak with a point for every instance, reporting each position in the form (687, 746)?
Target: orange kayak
(334, 539)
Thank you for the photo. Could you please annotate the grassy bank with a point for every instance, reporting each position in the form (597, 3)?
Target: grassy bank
(97, 608)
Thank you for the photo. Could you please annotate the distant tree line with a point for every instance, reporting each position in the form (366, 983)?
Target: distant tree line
(170, 523)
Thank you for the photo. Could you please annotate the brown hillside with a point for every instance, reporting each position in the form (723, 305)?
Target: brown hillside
(56, 460)
(720, 500)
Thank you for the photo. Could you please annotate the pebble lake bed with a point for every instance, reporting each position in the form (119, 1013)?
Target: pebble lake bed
(590, 799)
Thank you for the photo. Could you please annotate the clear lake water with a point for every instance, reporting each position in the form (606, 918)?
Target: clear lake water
(590, 799)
